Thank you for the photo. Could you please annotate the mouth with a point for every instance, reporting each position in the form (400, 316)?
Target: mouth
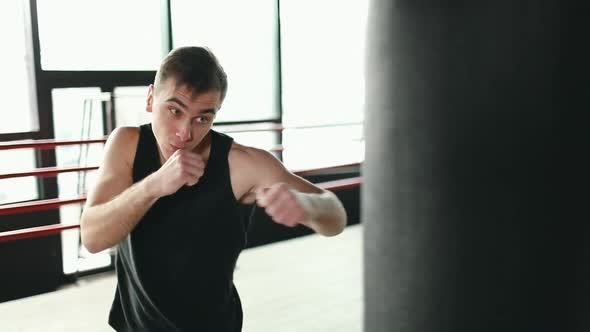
(174, 147)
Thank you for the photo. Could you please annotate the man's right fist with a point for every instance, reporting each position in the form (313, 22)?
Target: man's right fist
(183, 167)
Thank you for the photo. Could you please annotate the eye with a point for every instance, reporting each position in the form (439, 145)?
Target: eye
(201, 119)
(174, 111)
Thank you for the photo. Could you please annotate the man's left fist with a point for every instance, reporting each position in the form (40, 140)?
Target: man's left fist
(286, 206)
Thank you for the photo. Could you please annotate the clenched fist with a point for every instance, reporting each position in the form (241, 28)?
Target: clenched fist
(286, 206)
(182, 168)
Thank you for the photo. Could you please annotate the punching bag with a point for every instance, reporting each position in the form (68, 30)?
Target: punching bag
(465, 225)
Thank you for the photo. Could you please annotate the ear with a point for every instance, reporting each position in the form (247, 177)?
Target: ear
(150, 99)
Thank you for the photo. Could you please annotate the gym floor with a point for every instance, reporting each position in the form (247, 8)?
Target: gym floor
(311, 283)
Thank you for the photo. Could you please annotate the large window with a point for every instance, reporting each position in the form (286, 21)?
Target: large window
(322, 53)
(320, 147)
(243, 35)
(77, 114)
(17, 93)
(95, 53)
(99, 35)
(17, 189)
(17, 88)
(130, 103)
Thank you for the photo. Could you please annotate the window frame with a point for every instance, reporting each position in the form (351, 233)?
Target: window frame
(44, 81)
(106, 81)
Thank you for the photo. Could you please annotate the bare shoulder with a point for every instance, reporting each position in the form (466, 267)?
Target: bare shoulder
(251, 168)
(250, 158)
(115, 171)
(125, 135)
(121, 144)
(126, 132)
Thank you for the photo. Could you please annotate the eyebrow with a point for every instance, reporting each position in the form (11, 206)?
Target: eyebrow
(176, 100)
(183, 105)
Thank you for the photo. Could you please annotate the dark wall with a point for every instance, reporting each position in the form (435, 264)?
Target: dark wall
(30, 266)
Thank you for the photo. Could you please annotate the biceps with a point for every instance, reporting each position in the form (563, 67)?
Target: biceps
(107, 187)
(300, 184)
(265, 171)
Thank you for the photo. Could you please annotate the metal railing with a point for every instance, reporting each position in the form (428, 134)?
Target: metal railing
(45, 204)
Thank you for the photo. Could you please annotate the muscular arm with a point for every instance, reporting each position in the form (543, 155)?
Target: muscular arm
(114, 206)
(326, 213)
(286, 197)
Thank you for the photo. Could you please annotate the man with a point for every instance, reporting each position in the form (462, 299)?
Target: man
(168, 194)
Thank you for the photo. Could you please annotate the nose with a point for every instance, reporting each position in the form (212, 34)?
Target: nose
(184, 134)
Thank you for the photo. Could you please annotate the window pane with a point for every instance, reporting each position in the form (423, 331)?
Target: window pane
(17, 189)
(245, 41)
(322, 54)
(99, 35)
(261, 140)
(77, 114)
(321, 147)
(16, 86)
(70, 106)
(130, 105)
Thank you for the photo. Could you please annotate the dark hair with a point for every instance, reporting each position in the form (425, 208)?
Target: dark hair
(195, 67)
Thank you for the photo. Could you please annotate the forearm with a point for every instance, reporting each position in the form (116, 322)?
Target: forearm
(104, 225)
(326, 213)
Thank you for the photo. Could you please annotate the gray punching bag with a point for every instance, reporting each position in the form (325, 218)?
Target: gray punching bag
(465, 228)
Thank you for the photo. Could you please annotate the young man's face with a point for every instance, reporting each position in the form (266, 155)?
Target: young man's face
(181, 117)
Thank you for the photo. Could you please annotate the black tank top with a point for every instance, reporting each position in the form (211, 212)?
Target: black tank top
(175, 269)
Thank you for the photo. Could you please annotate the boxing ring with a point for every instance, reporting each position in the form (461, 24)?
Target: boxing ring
(54, 203)
(274, 254)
